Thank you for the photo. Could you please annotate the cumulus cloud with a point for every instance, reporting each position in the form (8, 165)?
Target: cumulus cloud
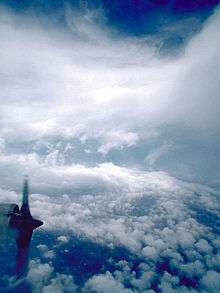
(211, 281)
(46, 253)
(43, 279)
(106, 283)
(39, 273)
(61, 283)
(62, 239)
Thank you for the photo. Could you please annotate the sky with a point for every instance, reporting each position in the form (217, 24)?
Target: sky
(112, 109)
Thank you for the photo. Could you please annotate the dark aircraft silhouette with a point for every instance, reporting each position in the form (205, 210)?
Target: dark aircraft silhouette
(22, 223)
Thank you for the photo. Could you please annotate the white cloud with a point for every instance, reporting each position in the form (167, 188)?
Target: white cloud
(61, 283)
(117, 140)
(211, 281)
(75, 87)
(157, 153)
(39, 274)
(109, 92)
(42, 279)
(105, 284)
(203, 246)
(62, 239)
(46, 253)
(148, 213)
(149, 252)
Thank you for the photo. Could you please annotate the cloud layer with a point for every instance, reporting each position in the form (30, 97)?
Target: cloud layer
(169, 226)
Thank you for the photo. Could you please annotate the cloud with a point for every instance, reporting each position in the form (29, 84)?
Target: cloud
(42, 279)
(61, 283)
(39, 274)
(62, 239)
(111, 201)
(46, 253)
(148, 213)
(106, 94)
(211, 281)
(72, 103)
(104, 284)
(117, 140)
(155, 155)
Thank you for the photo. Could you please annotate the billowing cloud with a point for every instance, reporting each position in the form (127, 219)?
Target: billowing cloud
(106, 283)
(42, 278)
(107, 94)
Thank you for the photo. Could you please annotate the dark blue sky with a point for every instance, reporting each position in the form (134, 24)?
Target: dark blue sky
(136, 18)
